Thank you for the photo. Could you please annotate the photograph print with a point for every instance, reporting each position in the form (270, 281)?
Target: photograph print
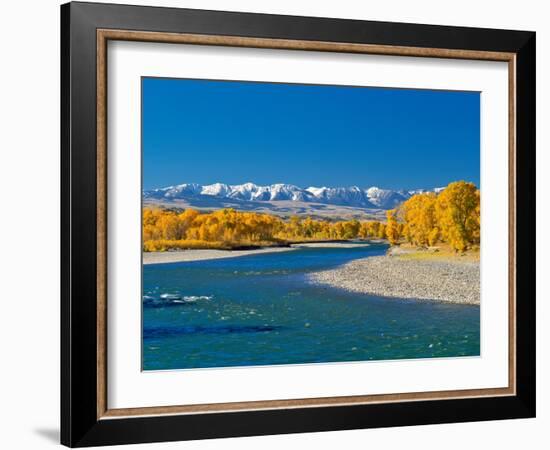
(299, 224)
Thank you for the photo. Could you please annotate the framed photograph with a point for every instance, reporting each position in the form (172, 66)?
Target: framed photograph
(276, 224)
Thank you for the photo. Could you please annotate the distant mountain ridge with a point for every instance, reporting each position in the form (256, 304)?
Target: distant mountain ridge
(353, 196)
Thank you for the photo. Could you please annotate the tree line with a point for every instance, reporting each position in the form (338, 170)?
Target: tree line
(452, 216)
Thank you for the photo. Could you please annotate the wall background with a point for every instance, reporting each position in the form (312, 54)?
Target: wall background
(29, 223)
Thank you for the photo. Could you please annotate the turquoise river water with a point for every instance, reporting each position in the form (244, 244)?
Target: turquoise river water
(261, 310)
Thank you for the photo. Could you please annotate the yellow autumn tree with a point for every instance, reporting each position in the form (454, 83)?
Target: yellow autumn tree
(393, 229)
(364, 230)
(169, 226)
(381, 231)
(453, 216)
(419, 215)
(457, 212)
(474, 221)
(374, 227)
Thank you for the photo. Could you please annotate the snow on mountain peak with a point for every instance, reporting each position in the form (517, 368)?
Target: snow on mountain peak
(373, 190)
(373, 197)
(316, 191)
(216, 189)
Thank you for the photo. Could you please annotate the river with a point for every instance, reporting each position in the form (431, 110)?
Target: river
(261, 310)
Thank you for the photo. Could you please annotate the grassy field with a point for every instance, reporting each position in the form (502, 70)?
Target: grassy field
(441, 252)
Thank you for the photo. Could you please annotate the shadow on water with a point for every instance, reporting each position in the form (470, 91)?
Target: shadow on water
(156, 332)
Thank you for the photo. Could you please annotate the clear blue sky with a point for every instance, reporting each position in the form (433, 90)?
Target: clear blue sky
(202, 131)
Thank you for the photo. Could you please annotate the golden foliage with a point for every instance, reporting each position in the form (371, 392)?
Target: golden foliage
(451, 217)
(457, 210)
(226, 228)
(393, 230)
(424, 219)
(419, 214)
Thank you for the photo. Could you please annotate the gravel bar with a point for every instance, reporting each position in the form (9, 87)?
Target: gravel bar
(386, 276)
(202, 255)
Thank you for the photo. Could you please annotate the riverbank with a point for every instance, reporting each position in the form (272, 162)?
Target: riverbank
(330, 244)
(206, 254)
(448, 280)
(202, 255)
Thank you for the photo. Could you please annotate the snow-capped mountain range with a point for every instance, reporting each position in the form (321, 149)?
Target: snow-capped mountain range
(353, 196)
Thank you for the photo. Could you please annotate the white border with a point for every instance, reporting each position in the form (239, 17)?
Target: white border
(129, 387)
